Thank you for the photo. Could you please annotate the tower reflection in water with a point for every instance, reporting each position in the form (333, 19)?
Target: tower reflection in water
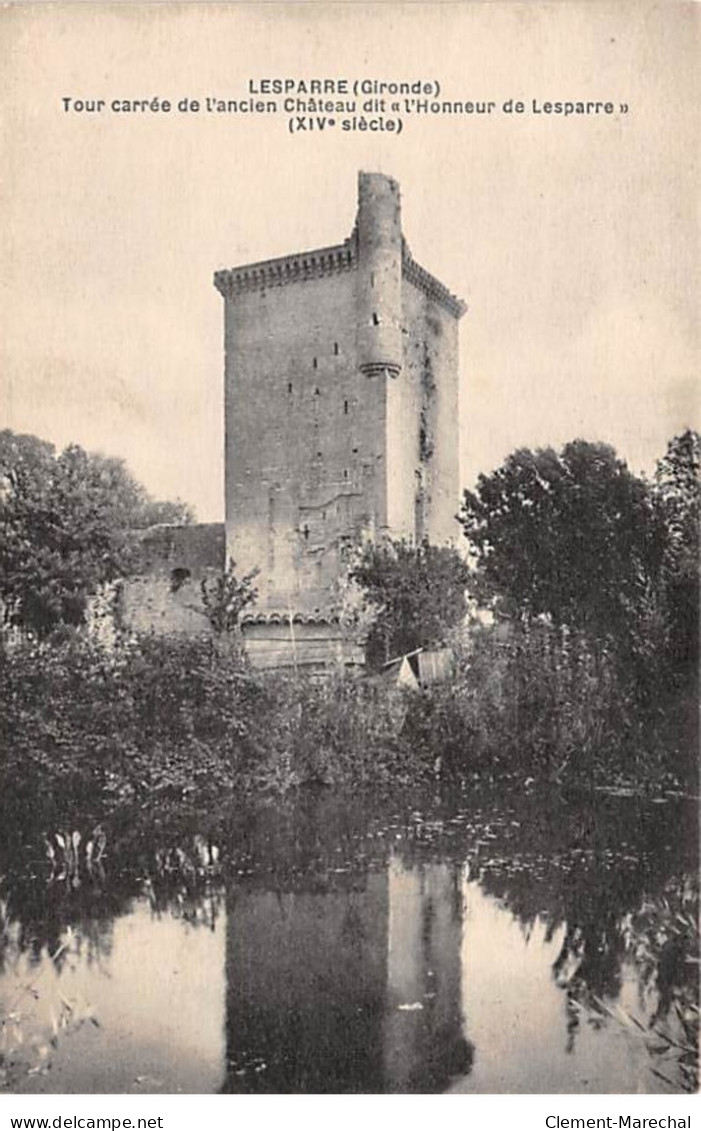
(348, 984)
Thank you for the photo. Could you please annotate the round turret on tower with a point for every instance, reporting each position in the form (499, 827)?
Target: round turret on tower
(379, 243)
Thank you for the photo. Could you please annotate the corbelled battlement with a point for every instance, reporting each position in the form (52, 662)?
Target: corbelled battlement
(430, 285)
(287, 269)
(324, 261)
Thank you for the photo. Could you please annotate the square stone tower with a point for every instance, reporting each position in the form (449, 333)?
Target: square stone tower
(341, 408)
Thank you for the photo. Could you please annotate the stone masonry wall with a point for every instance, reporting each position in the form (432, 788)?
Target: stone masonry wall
(165, 595)
(341, 406)
(304, 440)
(428, 471)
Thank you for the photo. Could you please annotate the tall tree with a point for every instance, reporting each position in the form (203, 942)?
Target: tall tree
(572, 535)
(678, 493)
(417, 594)
(65, 523)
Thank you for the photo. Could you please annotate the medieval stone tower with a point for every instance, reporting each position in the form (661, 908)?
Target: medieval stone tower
(341, 412)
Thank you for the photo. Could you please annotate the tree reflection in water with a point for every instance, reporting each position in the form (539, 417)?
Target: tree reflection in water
(345, 925)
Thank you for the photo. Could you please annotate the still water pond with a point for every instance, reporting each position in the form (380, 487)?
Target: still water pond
(484, 943)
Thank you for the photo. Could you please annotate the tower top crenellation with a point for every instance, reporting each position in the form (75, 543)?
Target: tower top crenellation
(379, 196)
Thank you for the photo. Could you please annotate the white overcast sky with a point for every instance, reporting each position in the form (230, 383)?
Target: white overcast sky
(575, 242)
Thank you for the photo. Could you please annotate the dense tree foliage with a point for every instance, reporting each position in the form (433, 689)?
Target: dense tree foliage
(589, 681)
(570, 535)
(573, 542)
(678, 495)
(416, 593)
(64, 528)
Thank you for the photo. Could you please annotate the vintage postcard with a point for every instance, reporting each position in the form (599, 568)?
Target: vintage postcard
(349, 503)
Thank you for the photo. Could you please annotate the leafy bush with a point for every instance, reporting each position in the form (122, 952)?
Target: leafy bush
(417, 594)
(65, 529)
(152, 715)
(538, 701)
(178, 717)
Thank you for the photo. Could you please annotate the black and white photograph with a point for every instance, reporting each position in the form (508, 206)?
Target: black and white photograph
(349, 553)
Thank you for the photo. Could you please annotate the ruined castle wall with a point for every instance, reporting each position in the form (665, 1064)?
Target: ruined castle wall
(164, 596)
(149, 604)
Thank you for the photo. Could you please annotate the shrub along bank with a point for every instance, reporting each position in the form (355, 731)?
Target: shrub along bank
(188, 719)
